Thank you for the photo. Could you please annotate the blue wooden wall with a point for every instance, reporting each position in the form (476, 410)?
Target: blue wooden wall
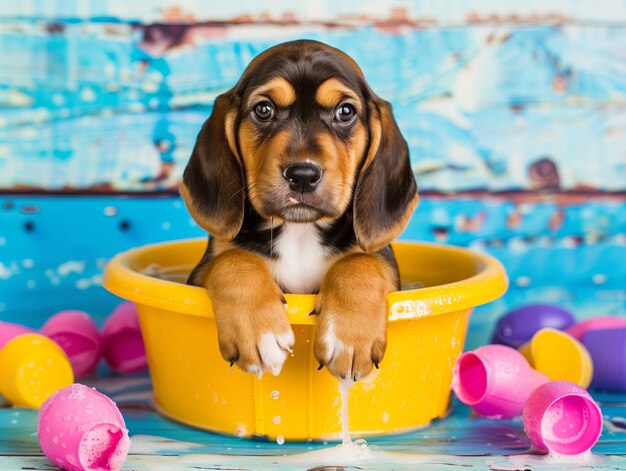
(515, 113)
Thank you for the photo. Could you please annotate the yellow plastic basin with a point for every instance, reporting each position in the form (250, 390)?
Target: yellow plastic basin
(194, 385)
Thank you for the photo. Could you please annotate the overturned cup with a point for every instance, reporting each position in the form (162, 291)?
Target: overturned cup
(495, 380)
(561, 417)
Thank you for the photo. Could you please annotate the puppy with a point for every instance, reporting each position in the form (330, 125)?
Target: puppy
(302, 179)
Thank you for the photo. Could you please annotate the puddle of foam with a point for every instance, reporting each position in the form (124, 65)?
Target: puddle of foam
(354, 454)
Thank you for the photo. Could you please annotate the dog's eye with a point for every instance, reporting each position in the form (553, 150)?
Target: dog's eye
(264, 111)
(344, 113)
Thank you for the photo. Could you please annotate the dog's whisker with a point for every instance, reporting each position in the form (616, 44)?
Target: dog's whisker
(246, 186)
(230, 183)
(243, 188)
(272, 240)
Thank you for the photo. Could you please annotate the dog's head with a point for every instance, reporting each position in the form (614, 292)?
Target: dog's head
(303, 138)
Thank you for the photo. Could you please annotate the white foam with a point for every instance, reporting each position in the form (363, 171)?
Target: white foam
(354, 454)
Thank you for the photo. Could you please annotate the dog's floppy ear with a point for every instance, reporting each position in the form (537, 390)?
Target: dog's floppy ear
(386, 192)
(212, 185)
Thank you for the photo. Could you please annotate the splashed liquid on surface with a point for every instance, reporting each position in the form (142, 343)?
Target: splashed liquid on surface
(353, 455)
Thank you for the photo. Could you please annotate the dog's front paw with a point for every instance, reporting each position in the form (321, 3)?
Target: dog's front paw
(252, 326)
(348, 345)
(352, 318)
(257, 338)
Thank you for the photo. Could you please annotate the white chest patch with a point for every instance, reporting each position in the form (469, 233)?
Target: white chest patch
(302, 260)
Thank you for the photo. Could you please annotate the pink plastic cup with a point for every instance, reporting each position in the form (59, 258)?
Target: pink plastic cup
(9, 330)
(123, 346)
(561, 417)
(495, 380)
(579, 329)
(81, 429)
(77, 334)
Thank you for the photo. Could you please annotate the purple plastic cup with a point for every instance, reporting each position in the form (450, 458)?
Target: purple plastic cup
(9, 330)
(77, 334)
(561, 417)
(607, 348)
(579, 329)
(495, 380)
(519, 325)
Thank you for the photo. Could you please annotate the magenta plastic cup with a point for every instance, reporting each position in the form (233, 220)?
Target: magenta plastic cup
(607, 348)
(78, 336)
(561, 417)
(123, 347)
(9, 330)
(495, 380)
(81, 429)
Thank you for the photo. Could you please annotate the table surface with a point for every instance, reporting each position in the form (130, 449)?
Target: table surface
(461, 440)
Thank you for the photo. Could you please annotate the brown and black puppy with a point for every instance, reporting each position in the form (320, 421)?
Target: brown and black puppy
(302, 179)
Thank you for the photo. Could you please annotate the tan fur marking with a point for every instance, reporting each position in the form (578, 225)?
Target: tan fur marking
(278, 90)
(229, 126)
(375, 135)
(248, 308)
(357, 145)
(340, 163)
(390, 234)
(331, 93)
(352, 317)
(262, 162)
(248, 143)
(387, 236)
(200, 219)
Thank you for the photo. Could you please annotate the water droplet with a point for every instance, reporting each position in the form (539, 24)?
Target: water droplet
(275, 394)
(276, 419)
(280, 440)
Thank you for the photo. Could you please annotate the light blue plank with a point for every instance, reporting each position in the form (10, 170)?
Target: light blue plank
(461, 439)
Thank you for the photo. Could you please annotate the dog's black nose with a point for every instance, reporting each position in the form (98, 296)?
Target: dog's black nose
(303, 177)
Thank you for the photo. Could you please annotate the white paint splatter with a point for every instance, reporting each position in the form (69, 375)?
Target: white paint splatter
(71, 266)
(7, 271)
(28, 263)
(84, 283)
